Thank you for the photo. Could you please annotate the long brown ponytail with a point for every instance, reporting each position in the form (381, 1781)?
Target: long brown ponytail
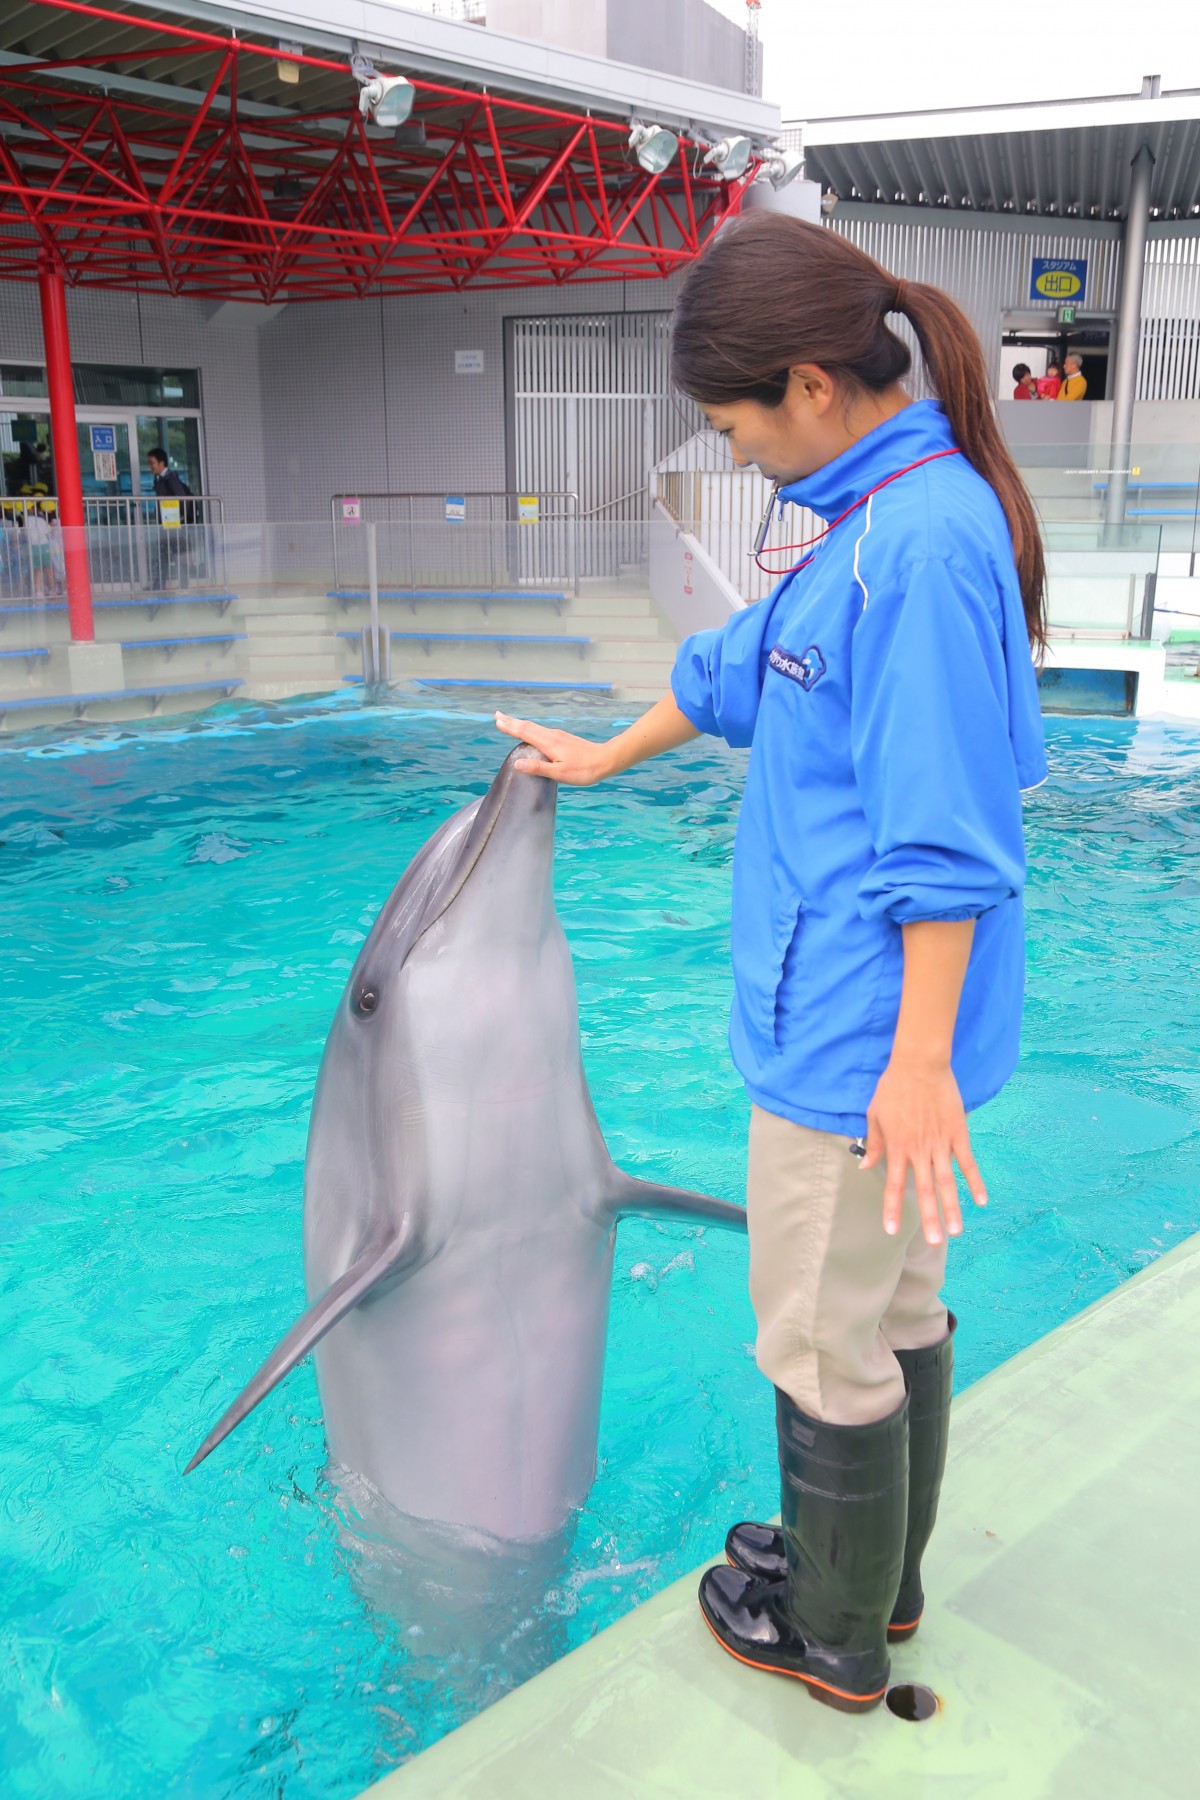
(772, 291)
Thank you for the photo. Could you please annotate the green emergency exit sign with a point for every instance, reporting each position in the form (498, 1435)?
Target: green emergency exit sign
(1066, 315)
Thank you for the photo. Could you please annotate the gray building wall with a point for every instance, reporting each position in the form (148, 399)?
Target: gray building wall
(153, 331)
(355, 396)
(984, 265)
(362, 396)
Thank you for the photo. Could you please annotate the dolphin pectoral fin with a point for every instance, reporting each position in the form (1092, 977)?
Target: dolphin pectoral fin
(650, 1200)
(376, 1262)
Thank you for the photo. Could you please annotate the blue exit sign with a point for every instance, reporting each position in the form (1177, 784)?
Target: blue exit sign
(1057, 278)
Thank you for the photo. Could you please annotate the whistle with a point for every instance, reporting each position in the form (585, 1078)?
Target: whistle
(761, 534)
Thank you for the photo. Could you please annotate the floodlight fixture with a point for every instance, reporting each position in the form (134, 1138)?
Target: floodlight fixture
(385, 100)
(731, 157)
(289, 72)
(782, 166)
(653, 145)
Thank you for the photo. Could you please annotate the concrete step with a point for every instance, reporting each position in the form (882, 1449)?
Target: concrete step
(288, 624)
(643, 651)
(620, 606)
(649, 630)
(316, 671)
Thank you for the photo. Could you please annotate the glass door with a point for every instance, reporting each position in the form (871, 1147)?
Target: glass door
(108, 466)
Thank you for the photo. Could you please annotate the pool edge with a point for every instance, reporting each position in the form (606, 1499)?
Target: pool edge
(1036, 1619)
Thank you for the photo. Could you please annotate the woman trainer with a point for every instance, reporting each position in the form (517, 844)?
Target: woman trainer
(888, 696)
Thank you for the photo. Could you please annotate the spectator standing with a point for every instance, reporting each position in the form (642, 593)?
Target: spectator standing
(1027, 387)
(1049, 383)
(171, 539)
(58, 558)
(1075, 386)
(37, 537)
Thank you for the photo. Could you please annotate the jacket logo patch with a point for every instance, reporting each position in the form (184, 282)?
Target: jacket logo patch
(807, 669)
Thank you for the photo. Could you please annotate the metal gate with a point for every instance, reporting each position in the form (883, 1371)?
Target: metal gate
(590, 411)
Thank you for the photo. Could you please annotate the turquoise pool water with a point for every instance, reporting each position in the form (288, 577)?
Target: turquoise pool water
(181, 904)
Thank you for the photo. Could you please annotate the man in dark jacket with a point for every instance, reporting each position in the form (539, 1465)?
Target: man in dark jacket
(174, 521)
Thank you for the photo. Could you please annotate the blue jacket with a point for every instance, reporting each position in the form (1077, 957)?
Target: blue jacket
(889, 700)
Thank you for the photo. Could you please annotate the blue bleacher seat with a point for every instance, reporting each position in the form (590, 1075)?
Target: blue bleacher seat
(77, 702)
(500, 638)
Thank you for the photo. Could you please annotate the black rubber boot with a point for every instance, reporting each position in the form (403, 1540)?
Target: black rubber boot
(845, 1506)
(928, 1374)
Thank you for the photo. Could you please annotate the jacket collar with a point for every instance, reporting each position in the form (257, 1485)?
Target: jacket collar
(919, 430)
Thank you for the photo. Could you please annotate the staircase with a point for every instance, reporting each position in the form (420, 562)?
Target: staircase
(610, 638)
(292, 652)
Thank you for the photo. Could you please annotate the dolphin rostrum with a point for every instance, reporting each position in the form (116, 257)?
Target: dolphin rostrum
(460, 1203)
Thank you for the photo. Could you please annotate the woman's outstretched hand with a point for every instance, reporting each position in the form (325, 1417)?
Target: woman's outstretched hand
(579, 763)
(916, 1120)
(572, 760)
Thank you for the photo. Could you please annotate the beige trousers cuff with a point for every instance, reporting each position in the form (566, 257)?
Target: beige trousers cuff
(833, 1294)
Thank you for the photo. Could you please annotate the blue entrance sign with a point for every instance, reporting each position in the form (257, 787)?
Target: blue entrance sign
(1057, 278)
(104, 437)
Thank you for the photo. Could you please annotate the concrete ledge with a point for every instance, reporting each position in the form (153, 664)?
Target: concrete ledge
(1157, 697)
(1060, 1636)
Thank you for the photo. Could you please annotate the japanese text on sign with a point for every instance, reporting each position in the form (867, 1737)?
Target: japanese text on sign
(1057, 278)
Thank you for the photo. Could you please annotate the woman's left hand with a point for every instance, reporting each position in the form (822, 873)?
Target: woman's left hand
(916, 1119)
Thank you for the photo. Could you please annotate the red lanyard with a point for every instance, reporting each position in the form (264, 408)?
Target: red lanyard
(778, 549)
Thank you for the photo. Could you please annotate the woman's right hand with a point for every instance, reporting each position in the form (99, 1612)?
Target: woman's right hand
(575, 761)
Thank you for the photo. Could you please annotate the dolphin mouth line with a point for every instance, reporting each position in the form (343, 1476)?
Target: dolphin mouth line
(507, 776)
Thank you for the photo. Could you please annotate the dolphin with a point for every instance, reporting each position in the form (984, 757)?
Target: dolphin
(460, 1203)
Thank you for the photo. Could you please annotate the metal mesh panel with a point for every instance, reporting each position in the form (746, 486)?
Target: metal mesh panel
(593, 413)
(1169, 359)
(985, 270)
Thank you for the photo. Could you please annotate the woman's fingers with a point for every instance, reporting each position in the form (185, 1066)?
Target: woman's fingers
(526, 731)
(927, 1202)
(970, 1169)
(893, 1192)
(550, 743)
(947, 1189)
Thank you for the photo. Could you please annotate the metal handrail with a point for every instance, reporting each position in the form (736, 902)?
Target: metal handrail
(118, 503)
(637, 493)
(509, 500)
(488, 494)
(131, 543)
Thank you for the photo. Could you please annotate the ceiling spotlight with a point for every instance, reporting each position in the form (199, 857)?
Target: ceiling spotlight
(829, 201)
(783, 166)
(731, 157)
(653, 145)
(386, 100)
(289, 72)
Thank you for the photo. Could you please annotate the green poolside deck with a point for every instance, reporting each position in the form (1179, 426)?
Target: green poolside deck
(1062, 1633)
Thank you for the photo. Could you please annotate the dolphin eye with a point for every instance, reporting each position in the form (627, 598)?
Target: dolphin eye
(368, 1000)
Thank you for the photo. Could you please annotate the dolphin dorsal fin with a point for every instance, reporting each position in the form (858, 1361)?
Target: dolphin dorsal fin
(375, 1262)
(651, 1200)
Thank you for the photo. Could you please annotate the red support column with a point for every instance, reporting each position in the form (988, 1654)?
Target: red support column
(67, 478)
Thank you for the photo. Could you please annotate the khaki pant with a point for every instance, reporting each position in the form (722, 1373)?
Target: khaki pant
(833, 1294)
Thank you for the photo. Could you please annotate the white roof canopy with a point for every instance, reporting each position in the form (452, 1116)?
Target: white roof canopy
(1068, 159)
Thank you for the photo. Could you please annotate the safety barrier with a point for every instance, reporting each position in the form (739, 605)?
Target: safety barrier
(136, 544)
(479, 539)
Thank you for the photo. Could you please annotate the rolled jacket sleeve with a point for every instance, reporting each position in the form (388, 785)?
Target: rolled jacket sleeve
(718, 675)
(932, 755)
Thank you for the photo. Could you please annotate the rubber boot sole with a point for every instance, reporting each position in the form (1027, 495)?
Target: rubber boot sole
(896, 1634)
(817, 1690)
